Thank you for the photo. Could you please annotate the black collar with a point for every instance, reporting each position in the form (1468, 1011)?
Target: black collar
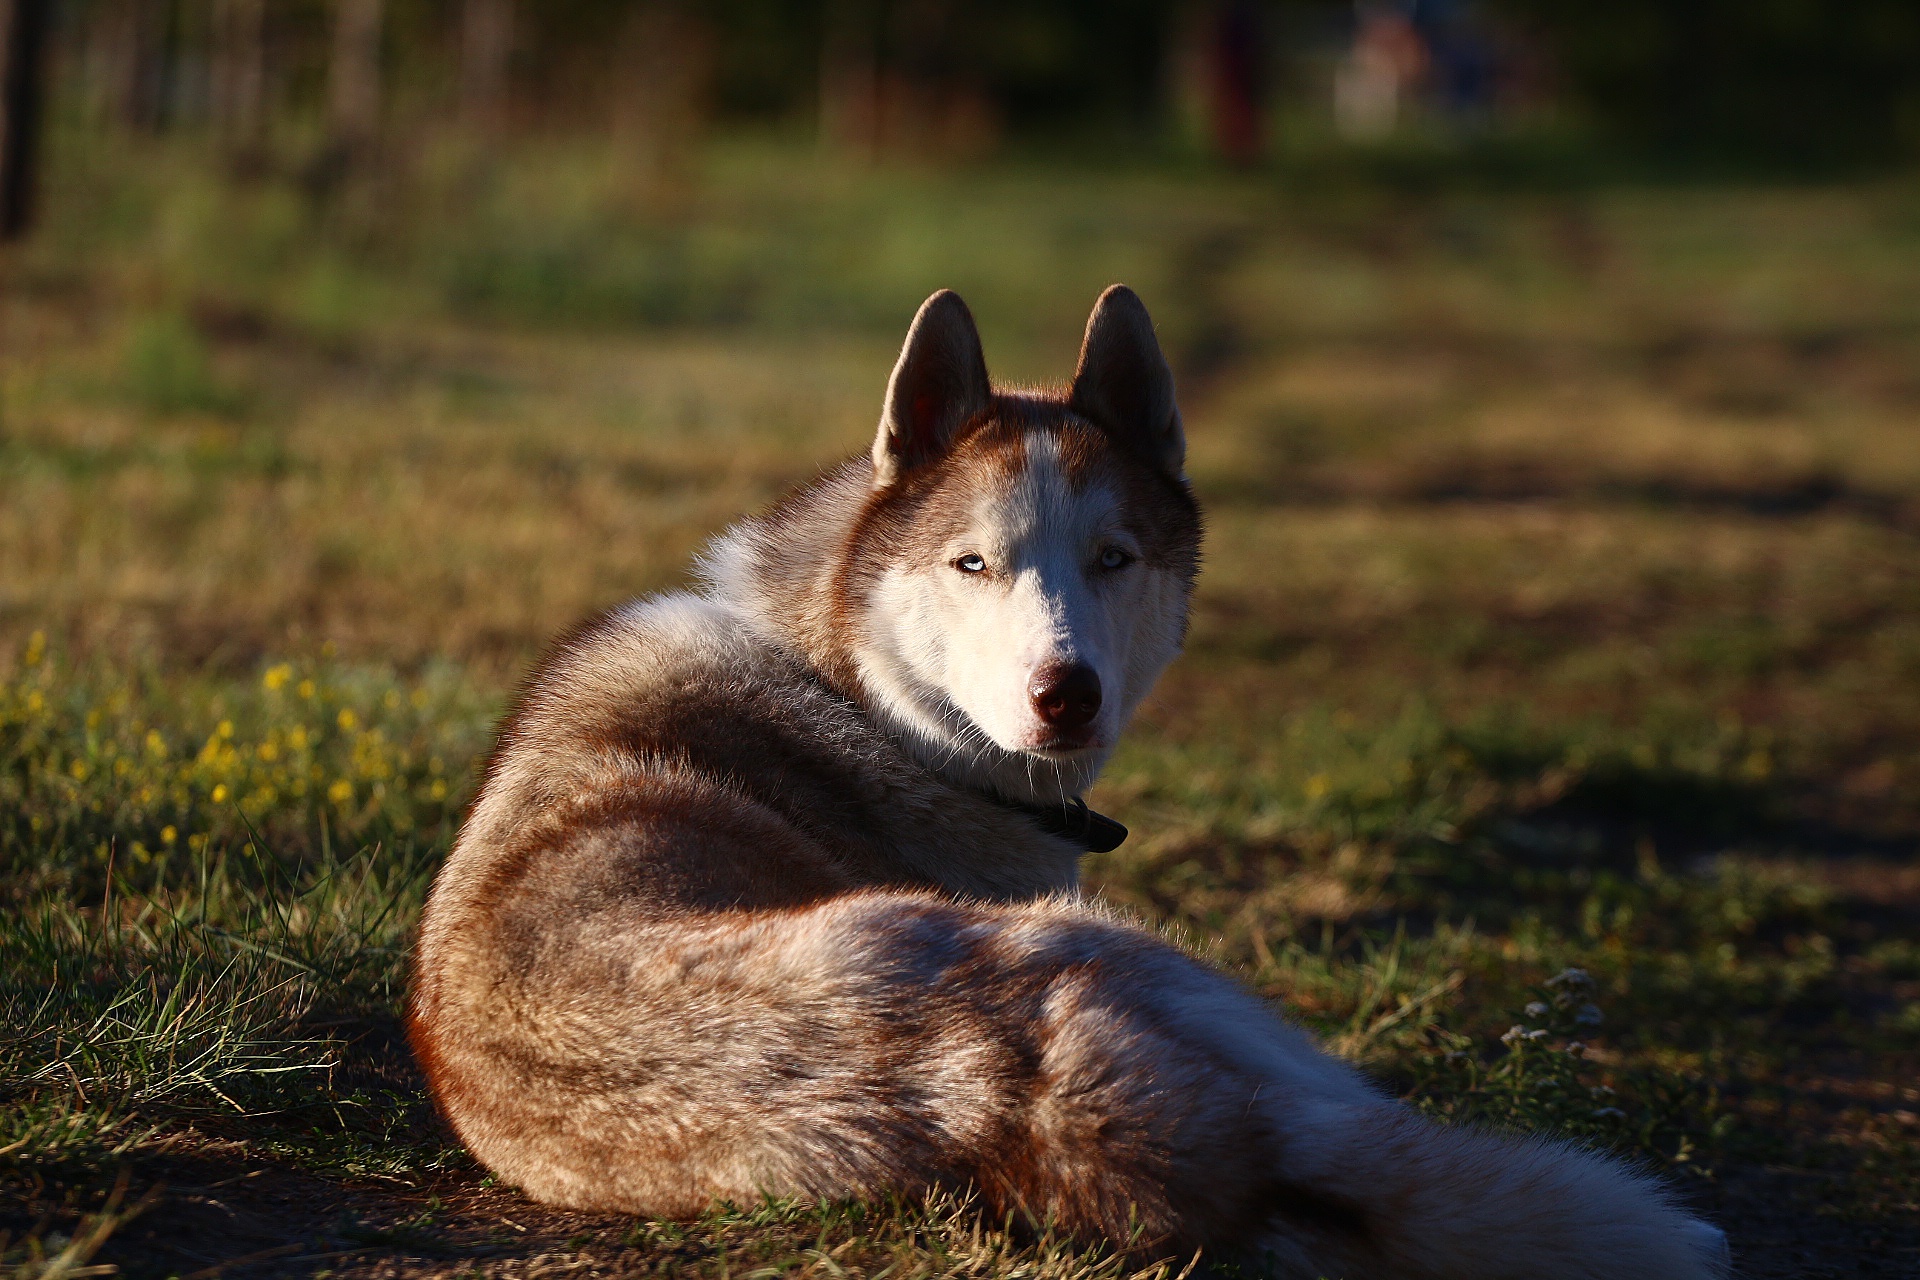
(1072, 820)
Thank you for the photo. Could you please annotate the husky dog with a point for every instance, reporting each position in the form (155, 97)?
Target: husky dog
(770, 887)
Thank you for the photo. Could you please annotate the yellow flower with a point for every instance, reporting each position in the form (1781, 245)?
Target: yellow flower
(220, 793)
(156, 745)
(438, 790)
(269, 752)
(340, 792)
(35, 701)
(79, 770)
(36, 648)
(225, 729)
(306, 689)
(347, 718)
(1318, 785)
(168, 835)
(277, 676)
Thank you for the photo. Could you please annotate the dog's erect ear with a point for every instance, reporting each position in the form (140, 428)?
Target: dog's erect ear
(939, 383)
(1123, 383)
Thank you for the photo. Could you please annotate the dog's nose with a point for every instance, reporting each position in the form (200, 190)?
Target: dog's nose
(1066, 696)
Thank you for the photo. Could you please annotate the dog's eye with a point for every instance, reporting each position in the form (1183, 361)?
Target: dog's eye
(1114, 558)
(970, 563)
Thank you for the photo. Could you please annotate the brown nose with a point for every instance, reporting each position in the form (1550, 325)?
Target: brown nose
(1066, 696)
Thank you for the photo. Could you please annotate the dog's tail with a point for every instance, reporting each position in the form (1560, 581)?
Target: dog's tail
(1432, 1201)
(1071, 1067)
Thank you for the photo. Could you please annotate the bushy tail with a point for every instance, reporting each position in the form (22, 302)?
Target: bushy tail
(1457, 1203)
(1073, 1068)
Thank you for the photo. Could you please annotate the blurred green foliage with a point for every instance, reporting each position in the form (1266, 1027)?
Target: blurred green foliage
(169, 370)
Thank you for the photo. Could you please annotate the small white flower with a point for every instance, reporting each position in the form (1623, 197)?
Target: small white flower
(1536, 1009)
(1515, 1033)
(1609, 1113)
(1588, 1015)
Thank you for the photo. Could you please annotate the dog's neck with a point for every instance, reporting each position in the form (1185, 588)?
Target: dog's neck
(781, 570)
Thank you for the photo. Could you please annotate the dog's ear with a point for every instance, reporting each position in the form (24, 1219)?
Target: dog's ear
(939, 383)
(1123, 383)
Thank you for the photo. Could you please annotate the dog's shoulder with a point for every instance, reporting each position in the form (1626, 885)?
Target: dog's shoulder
(660, 709)
(677, 677)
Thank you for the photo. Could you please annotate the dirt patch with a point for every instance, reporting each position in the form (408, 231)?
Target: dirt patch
(1772, 1243)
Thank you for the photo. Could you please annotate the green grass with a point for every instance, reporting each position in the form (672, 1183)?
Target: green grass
(205, 886)
(198, 945)
(1557, 657)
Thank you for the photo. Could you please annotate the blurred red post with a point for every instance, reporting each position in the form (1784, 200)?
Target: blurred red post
(24, 27)
(1236, 61)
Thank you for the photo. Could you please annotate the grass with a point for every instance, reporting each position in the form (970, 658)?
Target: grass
(1545, 740)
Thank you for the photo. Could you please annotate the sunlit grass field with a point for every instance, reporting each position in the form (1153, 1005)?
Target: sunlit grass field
(1548, 738)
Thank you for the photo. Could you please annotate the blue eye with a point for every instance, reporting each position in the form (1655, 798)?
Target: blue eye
(1114, 558)
(970, 563)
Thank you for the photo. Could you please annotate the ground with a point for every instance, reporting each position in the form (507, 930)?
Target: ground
(1561, 613)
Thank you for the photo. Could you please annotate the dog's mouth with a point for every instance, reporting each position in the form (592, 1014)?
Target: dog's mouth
(1061, 746)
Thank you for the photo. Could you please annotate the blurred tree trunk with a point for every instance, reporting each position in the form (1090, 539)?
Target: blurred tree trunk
(933, 101)
(486, 49)
(239, 72)
(850, 79)
(353, 78)
(23, 83)
(660, 96)
(130, 36)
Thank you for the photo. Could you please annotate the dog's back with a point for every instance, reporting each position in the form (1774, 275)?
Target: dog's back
(763, 891)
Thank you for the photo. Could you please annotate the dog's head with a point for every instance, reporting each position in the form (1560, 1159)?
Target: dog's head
(1022, 569)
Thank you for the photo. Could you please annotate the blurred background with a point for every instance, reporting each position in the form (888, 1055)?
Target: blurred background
(1552, 373)
(646, 259)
